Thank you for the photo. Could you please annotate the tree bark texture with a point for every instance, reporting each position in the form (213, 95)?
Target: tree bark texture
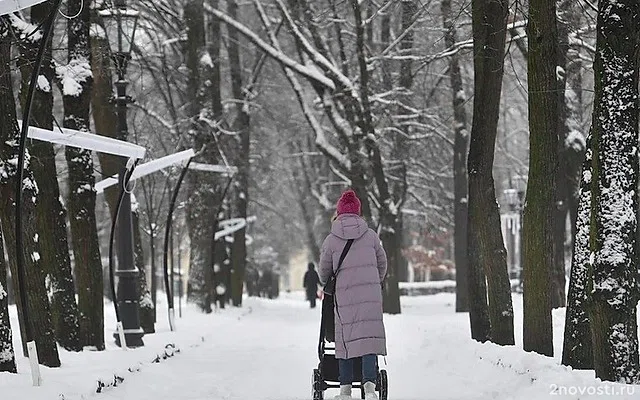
(36, 297)
(7, 354)
(540, 204)
(50, 213)
(487, 255)
(242, 127)
(202, 203)
(574, 142)
(147, 310)
(388, 210)
(302, 187)
(577, 349)
(568, 168)
(614, 294)
(77, 88)
(219, 272)
(460, 149)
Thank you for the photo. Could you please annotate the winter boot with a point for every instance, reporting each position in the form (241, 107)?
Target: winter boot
(370, 391)
(345, 393)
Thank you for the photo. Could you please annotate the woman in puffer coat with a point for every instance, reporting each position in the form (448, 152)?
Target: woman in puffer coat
(358, 294)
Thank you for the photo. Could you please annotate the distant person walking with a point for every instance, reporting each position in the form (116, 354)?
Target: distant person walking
(359, 330)
(311, 282)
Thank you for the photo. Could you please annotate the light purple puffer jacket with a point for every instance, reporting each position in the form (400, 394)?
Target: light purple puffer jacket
(358, 297)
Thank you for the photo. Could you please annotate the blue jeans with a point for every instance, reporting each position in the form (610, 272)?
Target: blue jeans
(369, 370)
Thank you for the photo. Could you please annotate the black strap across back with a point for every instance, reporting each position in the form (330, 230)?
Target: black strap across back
(343, 255)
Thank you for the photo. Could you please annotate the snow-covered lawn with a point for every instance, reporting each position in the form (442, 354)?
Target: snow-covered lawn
(267, 350)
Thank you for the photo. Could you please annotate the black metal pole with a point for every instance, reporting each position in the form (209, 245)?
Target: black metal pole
(127, 273)
(167, 235)
(172, 268)
(26, 117)
(111, 237)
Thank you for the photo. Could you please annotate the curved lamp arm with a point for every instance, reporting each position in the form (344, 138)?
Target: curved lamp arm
(167, 236)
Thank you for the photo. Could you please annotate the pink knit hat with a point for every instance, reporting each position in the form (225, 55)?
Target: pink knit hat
(349, 203)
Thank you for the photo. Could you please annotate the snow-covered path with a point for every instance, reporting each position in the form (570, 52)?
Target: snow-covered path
(266, 351)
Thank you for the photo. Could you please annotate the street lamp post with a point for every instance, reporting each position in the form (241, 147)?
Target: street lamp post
(120, 24)
(513, 231)
(520, 185)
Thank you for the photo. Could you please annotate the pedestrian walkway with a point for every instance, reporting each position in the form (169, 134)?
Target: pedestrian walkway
(267, 351)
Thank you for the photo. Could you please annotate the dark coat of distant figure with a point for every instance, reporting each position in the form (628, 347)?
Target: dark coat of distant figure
(311, 282)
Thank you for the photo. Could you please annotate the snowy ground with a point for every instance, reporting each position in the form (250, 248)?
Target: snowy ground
(266, 351)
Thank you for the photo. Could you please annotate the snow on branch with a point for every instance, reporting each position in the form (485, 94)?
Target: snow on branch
(577, 42)
(322, 199)
(450, 51)
(592, 6)
(321, 141)
(73, 75)
(166, 124)
(12, 6)
(379, 11)
(402, 35)
(314, 54)
(25, 30)
(340, 124)
(309, 73)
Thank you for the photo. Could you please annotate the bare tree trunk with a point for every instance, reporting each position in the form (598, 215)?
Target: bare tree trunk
(202, 205)
(539, 211)
(564, 171)
(571, 140)
(302, 186)
(577, 349)
(8, 358)
(147, 310)
(388, 213)
(242, 126)
(576, 143)
(222, 251)
(487, 254)
(401, 148)
(50, 213)
(36, 295)
(614, 290)
(460, 149)
(82, 196)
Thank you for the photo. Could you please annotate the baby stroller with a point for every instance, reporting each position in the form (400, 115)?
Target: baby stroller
(326, 375)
